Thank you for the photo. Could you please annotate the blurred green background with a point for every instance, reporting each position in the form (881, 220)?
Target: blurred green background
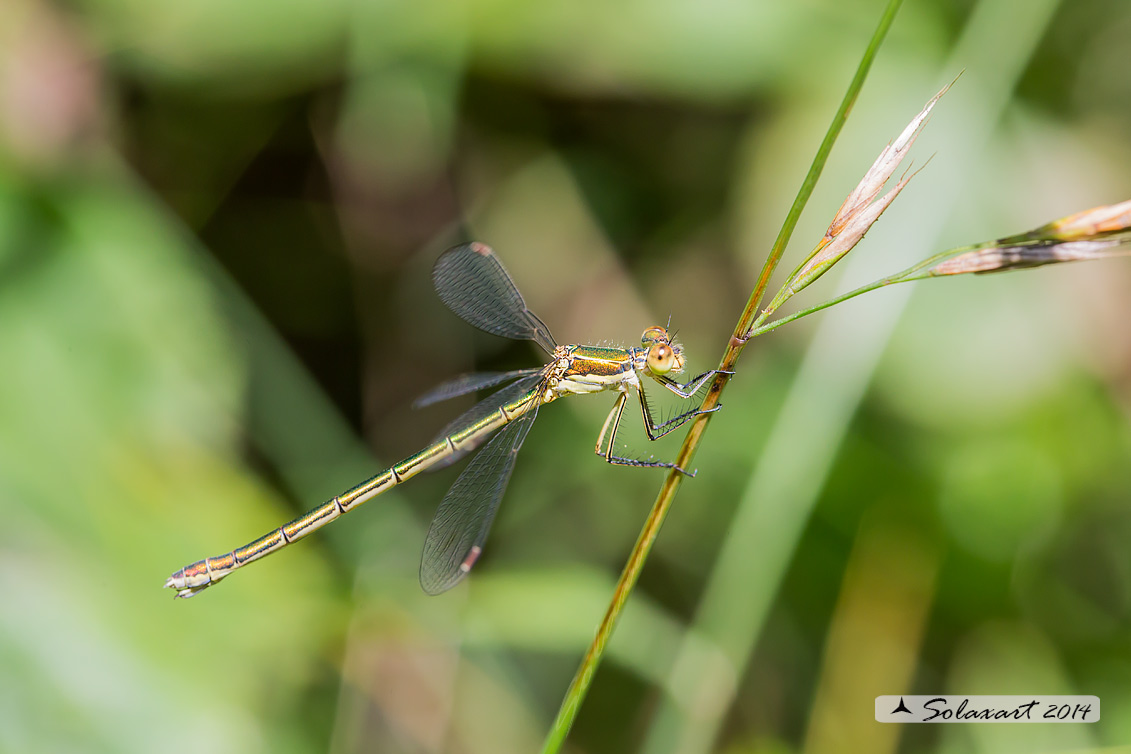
(217, 221)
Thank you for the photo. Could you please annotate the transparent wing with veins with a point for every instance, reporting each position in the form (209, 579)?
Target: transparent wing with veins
(482, 410)
(459, 529)
(470, 383)
(472, 282)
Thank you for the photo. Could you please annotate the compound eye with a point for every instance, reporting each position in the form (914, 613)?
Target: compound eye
(653, 335)
(661, 358)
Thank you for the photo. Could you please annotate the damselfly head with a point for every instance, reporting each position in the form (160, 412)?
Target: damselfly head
(664, 356)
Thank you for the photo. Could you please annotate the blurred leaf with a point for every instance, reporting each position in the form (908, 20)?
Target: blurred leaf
(118, 424)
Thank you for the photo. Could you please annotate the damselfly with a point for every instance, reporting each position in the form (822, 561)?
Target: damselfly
(471, 281)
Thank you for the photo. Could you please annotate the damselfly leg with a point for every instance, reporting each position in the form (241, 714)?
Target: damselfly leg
(606, 441)
(610, 430)
(692, 386)
(657, 430)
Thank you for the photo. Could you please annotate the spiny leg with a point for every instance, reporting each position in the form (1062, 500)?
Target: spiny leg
(612, 422)
(689, 388)
(612, 419)
(656, 431)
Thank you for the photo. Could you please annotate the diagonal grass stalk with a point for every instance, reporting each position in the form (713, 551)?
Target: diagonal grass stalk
(781, 493)
(575, 695)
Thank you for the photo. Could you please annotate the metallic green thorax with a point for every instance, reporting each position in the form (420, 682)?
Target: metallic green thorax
(578, 370)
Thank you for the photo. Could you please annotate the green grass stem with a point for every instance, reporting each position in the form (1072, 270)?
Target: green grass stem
(575, 695)
(785, 484)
